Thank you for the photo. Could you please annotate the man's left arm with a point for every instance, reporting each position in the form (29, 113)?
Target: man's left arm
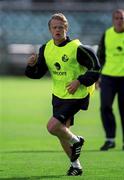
(87, 58)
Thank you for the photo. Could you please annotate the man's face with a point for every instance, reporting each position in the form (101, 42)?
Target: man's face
(58, 30)
(118, 21)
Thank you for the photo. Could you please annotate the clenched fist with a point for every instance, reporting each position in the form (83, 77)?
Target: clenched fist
(32, 60)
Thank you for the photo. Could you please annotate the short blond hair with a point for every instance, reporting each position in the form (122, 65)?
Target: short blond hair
(118, 11)
(59, 16)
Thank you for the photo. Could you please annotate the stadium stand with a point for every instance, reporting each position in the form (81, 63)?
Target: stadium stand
(23, 24)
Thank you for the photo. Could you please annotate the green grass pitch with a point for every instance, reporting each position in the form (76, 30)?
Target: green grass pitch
(29, 152)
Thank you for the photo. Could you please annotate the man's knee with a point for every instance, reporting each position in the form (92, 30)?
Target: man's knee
(53, 126)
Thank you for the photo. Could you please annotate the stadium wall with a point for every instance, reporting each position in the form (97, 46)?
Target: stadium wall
(23, 27)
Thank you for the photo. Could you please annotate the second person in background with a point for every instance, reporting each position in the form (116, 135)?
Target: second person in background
(111, 56)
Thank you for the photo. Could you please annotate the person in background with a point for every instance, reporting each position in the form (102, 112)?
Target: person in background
(73, 68)
(111, 56)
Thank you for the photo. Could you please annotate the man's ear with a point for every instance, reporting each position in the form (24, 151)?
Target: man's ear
(66, 28)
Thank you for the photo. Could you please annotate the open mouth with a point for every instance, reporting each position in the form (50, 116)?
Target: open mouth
(57, 34)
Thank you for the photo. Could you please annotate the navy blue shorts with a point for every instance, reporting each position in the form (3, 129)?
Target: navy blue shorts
(64, 109)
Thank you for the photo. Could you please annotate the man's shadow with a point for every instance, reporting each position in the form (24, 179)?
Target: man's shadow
(34, 177)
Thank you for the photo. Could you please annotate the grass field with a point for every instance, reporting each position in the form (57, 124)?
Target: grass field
(28, 152)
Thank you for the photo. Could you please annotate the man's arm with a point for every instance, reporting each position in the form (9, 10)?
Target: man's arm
(101, 51)
(87, 58)
(36, 67)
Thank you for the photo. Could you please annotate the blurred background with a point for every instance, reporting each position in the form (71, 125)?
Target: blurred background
(23, 26)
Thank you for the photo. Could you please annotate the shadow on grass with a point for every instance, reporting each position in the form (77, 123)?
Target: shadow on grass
(29, 151)
(34, 177)
(59, 151)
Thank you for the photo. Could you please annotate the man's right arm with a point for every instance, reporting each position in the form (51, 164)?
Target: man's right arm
(36, 67)
(101, 51)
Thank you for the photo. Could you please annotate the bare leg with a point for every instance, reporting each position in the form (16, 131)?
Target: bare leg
(63, 133)
(65, 145)
(58, 129)
(66, 137)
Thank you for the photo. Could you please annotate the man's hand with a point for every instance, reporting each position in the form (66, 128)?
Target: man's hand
(32, 60)
(73, 86)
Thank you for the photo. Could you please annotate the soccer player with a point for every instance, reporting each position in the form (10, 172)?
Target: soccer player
(111, 56)
(73, 68)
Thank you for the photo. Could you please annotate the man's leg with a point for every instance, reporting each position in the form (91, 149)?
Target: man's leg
(67, 139)
(56, 128)
(107, 95)
(65, 145)
(74, 165)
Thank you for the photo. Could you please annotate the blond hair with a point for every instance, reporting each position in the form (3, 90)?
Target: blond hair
(59, 16)
(118, 11)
